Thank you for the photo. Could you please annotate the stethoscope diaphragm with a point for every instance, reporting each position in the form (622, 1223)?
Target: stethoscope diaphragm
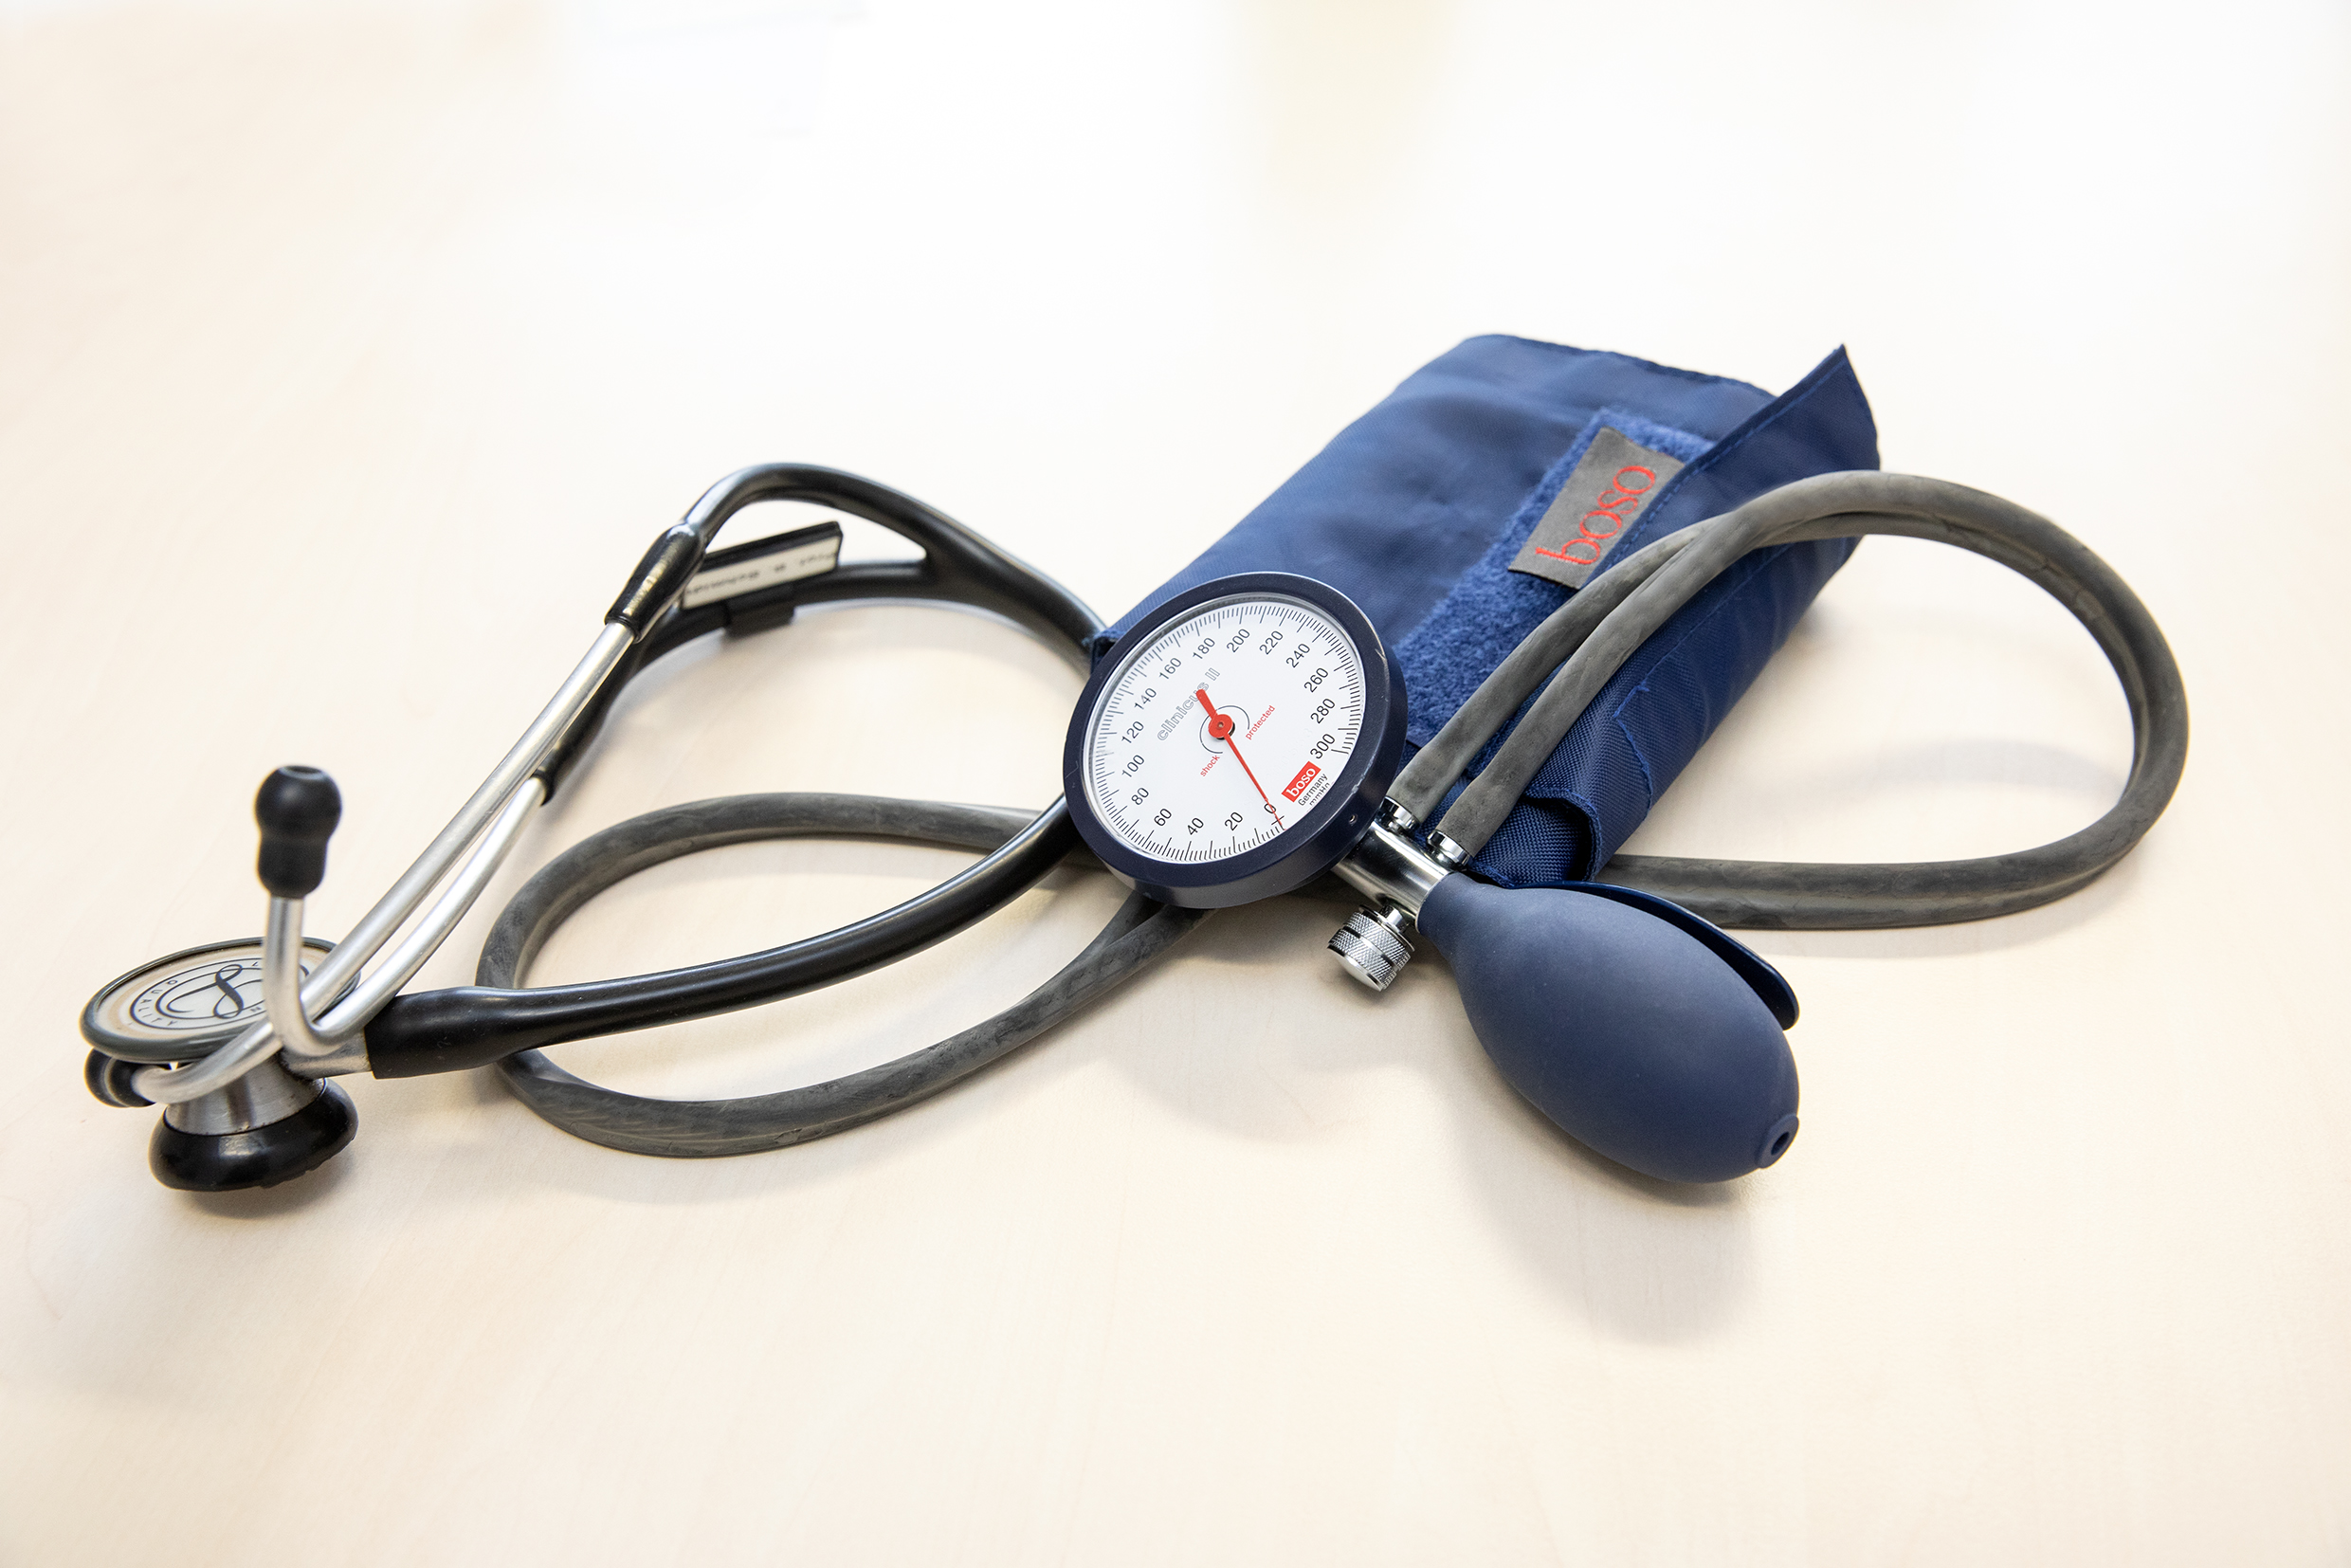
(186, 1004)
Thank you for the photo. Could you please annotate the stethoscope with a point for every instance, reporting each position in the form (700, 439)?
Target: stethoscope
(1241, 740)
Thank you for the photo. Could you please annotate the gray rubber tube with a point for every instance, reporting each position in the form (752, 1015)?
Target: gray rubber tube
(1139, 933)
(1593, 635)
(1432, 769)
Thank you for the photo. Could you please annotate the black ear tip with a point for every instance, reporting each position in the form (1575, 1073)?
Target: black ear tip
(298, 802)
(298, 809)
(262, 1157)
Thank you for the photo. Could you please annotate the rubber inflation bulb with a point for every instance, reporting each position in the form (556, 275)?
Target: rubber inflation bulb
(1628, 1033)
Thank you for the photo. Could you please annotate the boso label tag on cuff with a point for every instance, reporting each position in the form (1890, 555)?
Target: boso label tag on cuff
(1594, 508)
(763, 563)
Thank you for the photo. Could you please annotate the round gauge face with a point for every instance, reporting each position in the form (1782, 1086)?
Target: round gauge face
(179, 1008)
(1227, 732)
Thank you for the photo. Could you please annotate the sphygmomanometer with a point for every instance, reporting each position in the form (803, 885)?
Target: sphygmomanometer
(1451, 663)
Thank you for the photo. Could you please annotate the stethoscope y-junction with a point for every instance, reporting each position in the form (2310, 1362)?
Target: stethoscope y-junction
(1242, 739)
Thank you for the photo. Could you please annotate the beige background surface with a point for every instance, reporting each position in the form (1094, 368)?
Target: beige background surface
(350, 351)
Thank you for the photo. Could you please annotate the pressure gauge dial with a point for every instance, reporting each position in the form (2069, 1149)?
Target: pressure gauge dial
(1236, 742)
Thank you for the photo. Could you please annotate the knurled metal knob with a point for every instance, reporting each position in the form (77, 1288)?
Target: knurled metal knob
(1371, 947)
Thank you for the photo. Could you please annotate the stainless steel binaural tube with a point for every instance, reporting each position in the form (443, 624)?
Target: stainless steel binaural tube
(395, 908)
(510, 790)
(339, 1032)
(281, 979)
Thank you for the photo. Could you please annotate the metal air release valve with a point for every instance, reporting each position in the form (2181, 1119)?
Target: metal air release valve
(1398, 875)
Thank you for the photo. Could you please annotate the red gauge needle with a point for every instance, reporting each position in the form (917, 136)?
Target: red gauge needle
(1220, 728)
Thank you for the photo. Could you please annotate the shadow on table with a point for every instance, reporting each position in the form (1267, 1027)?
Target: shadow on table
(289, 1198)
(1642, 1260)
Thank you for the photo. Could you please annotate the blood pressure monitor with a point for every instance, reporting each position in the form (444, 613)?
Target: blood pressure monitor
(1236, 742)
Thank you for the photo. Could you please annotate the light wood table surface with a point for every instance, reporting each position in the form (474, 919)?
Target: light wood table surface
(350, 351)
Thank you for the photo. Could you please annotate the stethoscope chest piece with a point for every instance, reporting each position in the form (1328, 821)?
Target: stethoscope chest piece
(265, 1127)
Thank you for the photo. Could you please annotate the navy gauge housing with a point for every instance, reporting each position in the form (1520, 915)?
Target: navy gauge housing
(1296, 634)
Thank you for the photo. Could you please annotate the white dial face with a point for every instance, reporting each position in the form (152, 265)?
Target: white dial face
(1224, 729)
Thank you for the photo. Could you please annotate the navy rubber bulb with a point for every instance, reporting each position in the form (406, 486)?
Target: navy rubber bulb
(1640, 1029)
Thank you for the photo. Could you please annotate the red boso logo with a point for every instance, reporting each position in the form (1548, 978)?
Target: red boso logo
(1297, 787)
(1617, 502)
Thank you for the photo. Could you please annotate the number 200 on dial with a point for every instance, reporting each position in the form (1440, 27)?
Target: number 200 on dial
(1218, 739)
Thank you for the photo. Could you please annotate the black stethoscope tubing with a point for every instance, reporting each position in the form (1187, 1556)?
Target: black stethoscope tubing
(422, 1032)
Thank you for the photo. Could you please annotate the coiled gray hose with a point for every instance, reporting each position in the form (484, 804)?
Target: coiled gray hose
(1139, 933)
(1584, 642)
(1587, 639)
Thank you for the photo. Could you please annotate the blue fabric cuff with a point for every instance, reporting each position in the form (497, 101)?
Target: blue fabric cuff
(1416, 510)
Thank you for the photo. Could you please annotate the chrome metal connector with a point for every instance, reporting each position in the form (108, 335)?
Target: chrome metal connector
(1398, 875)
(1444, 851)
(1388, 867)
